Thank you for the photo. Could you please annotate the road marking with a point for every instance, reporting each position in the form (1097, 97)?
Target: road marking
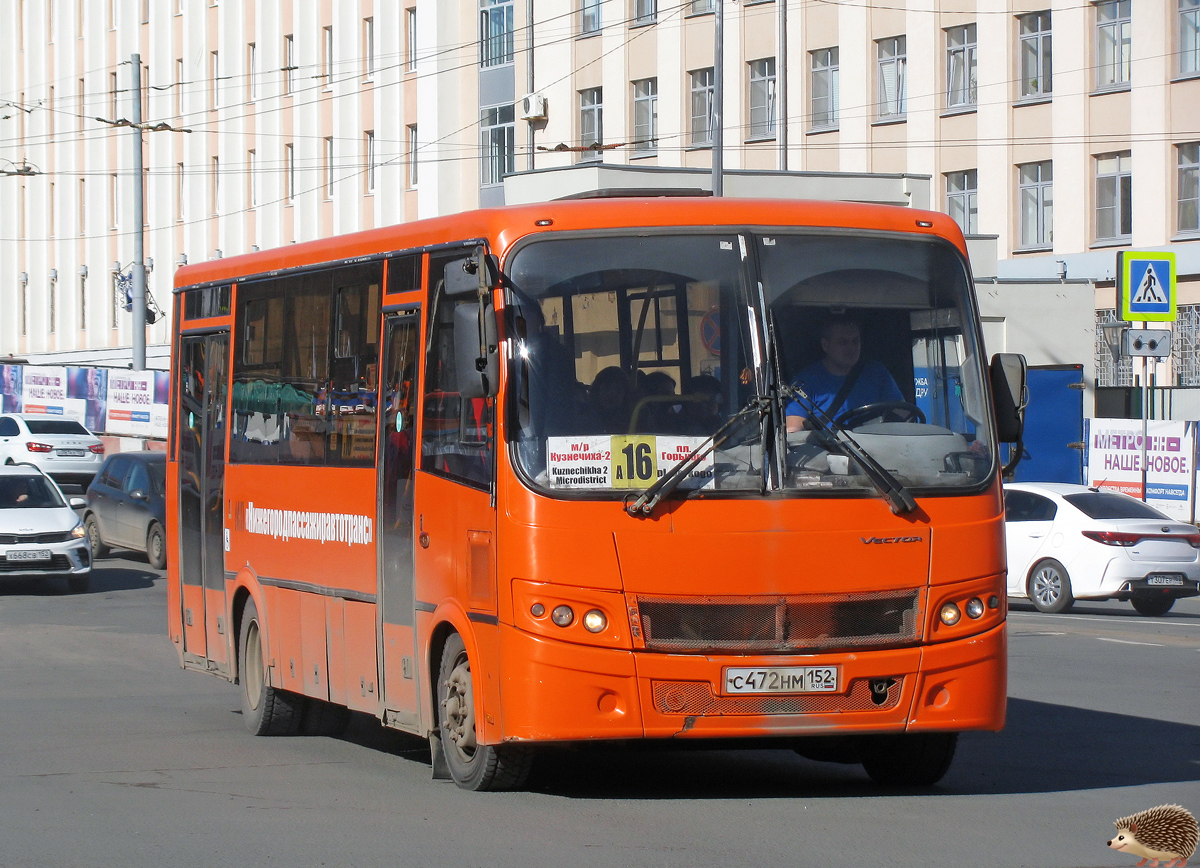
(1127, 642)
(1038, 633)
(1130, 621)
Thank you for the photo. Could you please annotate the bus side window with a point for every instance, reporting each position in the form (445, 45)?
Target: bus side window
(355, 362)
(457, 437)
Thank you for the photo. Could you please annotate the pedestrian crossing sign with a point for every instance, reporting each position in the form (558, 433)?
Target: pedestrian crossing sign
(1146, 286)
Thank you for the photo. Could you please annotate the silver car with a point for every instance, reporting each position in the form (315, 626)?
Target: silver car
(40, 534)
(61, 447)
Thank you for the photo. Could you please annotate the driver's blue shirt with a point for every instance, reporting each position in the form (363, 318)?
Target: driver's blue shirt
(874, 384)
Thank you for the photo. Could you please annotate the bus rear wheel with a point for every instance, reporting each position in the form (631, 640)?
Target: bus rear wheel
(266, 710)
(910, 760)
(472, 765)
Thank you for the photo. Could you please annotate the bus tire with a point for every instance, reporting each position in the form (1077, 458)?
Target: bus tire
(266, 710)
(325, 718)
(910, 760)
(472, 766)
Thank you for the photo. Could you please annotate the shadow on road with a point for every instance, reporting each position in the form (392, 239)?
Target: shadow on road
(1045, 748)
(104, 580)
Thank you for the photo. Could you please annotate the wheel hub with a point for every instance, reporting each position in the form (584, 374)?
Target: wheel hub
(458, 709)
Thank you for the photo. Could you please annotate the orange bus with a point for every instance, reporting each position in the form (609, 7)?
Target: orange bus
(603, 469)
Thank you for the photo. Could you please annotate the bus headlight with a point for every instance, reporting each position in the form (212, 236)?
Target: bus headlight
(594, 621)
(950, 614)
(974, 608)
(562, 616)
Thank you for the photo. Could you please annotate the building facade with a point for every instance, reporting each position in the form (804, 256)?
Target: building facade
(1069, 130)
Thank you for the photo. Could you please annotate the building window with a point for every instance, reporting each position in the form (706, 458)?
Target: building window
(369, 149)
(825, 88)
(589, 16)
(962, 191)
(1034, 55)
(702, 107)
(179, 190)
(215, 69)
(1189, 187)
(252, 69)
(412, 155)
(83, 300)
(962, 66)
(53, 306)
(289, 172)
(112, 100)
(1189, 36)
(498, 128)
(1112, 43)
(327, 72)
(410, 18)
(645, 116)
(762, 98)
(252, 181)
(178, 87)
(216, 185)
(368, 47)
(496, 30)
(1114, 196)
(699, 7)
(113, 207)
(1035, 209)
(893, 83)
(329, 167)
(645, 11)
(82, 206)
(591, 122)
(289, 64)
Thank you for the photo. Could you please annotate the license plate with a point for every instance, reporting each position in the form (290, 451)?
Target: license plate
(71, 453)
(29, 555)
(1164, 580)
(782, 679)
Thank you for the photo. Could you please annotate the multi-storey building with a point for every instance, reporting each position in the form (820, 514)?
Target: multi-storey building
(1066, 129)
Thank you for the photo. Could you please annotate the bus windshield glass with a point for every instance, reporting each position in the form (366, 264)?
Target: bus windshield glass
(631, 350)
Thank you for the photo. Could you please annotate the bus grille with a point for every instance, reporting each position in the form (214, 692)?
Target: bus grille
(812, 622)
(697, 698)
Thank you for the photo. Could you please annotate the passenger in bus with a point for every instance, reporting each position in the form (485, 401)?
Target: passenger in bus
(655, 412)
(841, 376)
(699, 414)
(610, 399)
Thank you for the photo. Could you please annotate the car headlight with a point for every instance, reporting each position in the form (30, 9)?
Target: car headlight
(79, 531)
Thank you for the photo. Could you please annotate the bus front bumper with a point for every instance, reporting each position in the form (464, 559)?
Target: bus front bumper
(559, 691)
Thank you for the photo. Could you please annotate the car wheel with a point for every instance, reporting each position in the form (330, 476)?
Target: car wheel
(266, 710)
(1152, 606)
(1050, 587)
(79, 584)
(156, 546)
(911, 760)
(473, 766)
(99, 549)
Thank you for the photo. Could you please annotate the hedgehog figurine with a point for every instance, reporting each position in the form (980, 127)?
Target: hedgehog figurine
(1167, 832)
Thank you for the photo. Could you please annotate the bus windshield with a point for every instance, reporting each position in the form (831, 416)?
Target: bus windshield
(630, 350)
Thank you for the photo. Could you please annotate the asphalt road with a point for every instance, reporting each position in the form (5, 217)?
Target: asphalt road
(113, 756)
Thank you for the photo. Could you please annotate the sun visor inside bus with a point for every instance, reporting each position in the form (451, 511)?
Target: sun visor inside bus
(477, 374)
(462, 275)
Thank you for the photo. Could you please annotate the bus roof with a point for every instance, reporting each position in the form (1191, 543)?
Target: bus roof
(503, 226)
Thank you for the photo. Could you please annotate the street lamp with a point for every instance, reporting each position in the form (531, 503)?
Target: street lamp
(1113, 330)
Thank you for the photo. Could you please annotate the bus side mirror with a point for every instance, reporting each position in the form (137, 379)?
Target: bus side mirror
(463, 277)
(1010, 392)
(477, 375)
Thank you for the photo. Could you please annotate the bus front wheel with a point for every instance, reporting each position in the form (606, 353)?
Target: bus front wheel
(266, 710)
(910, 760)
(472, 765)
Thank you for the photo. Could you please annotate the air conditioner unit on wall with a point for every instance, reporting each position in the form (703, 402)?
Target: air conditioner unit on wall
(533, 107)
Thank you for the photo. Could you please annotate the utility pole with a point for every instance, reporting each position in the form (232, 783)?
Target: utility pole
(718, 114)
(139, 258)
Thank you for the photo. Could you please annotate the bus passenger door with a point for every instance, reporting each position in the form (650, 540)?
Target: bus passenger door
(397, 445)
(201, 553)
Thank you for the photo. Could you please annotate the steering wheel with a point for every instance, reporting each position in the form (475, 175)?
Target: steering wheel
(883, 411)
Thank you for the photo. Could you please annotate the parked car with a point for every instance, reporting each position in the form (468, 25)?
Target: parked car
(61, 447)
(127, 508)
(40, 533)
(1071, 542)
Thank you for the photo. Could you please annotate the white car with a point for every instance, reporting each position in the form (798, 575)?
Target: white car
(61, 447)
(1071, 542)
(40, 534)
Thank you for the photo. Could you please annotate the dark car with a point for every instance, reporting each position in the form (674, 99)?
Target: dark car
(126, 506)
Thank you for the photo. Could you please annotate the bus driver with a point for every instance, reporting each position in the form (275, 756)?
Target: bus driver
(839, 377)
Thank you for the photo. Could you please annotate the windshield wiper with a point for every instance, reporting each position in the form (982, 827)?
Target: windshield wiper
(644, 505)
(888, 486)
